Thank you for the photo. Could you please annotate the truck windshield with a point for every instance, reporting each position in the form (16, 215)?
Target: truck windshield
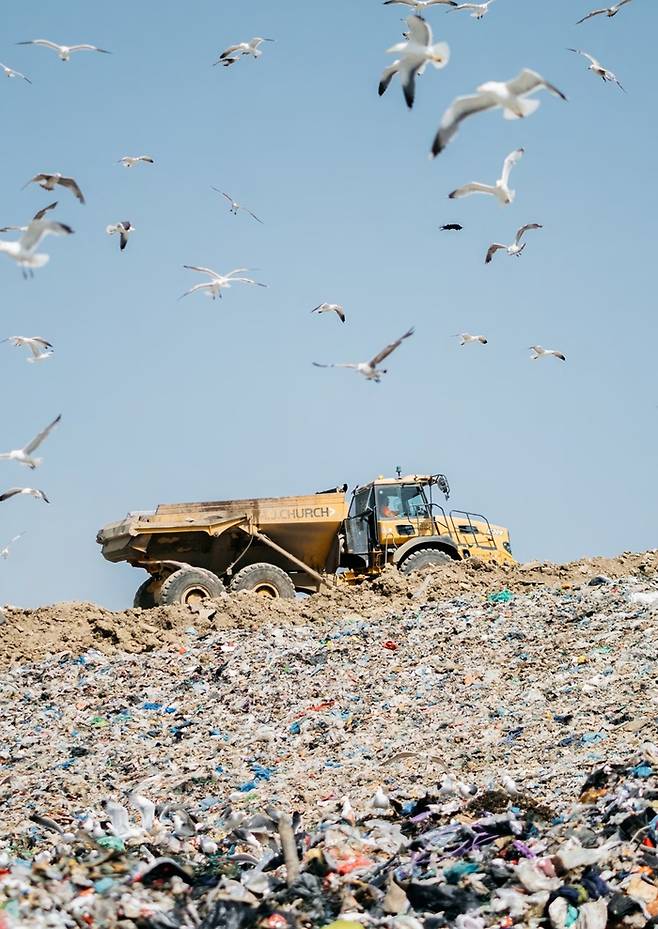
(394, 500)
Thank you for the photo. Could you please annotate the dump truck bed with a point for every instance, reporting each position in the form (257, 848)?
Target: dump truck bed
(165, 533)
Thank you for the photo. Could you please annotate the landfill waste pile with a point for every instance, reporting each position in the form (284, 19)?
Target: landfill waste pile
(444, 859)
(33, 634)
(467, 747)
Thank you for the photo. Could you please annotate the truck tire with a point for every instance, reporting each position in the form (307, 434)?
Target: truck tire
(144, 598)
(190, 585)
(425, 558)
(264, 579)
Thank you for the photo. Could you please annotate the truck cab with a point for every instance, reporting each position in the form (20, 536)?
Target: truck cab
(391, 519)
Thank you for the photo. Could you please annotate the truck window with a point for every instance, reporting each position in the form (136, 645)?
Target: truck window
(414, 502)
(360, 502)
(394, 501)
(389, 501)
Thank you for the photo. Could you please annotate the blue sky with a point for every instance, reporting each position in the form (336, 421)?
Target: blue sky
(165, 401)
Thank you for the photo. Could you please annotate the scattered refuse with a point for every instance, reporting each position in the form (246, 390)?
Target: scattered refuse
(281, 766)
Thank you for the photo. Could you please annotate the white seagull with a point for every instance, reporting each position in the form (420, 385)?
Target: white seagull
(129, 161)
(515, 248)
(369, 369)
(467, 338)
(235, 207)
(500, 189)
(478, 10)
(218, 282)
(24, 251)
(415, 54)
(9, 72)
(331, 308)
(50, 181)
(597, 68)
(24, 455)
(420, 5)
(380, 800)
(40, 348)
(38, 215)
(27, 491)
(510, 96)
(64, 51)
(4, 552)
(608, 10)
(230, 55)
(123, 230)
(539, 352)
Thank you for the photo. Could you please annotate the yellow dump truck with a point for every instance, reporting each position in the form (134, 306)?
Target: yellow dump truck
(282, 545)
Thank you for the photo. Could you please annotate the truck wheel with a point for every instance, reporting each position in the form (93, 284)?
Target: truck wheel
(190, 585)
(144, 598)
(265, 580)
(425, 558)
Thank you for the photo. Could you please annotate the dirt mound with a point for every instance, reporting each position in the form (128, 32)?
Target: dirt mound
(72, 628)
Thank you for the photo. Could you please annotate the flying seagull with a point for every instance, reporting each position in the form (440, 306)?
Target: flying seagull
(331, 308)
(515, 248)
(608, 10)
(129, 161)
(467, 338)
(123, 229)
(218, 282)
(24, 455)
(597, 68)
(4, 552)
(539, 352)
(27, 491)
(24, 251)
(38, 215)
(64, 51)
(500, 189)
(40, 348)
(235, 207)
(50, 181)
(369, 369)
(510, 96)
(478, 10)
(9, 72)
(232, 54)
(451, 227)
(420, 5)
(415, 54)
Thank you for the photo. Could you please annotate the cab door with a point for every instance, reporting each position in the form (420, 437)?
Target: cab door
(359, 521)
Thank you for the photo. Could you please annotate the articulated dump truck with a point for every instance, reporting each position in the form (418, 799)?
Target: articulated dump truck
(280, 546)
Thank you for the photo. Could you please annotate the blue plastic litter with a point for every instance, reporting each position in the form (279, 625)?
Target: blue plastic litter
(261, 773)
(642, 770)
(572, 916)
(208, 802)
(105, 883)
(592, 738)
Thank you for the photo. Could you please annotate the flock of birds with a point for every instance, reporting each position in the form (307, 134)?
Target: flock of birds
(514, 97)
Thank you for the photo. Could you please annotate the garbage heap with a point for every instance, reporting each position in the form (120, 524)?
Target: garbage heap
(458, 856)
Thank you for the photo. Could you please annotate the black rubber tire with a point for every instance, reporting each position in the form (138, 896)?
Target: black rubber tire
(425, 558)
(190, 585)
(265, 579)
(144, 599)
